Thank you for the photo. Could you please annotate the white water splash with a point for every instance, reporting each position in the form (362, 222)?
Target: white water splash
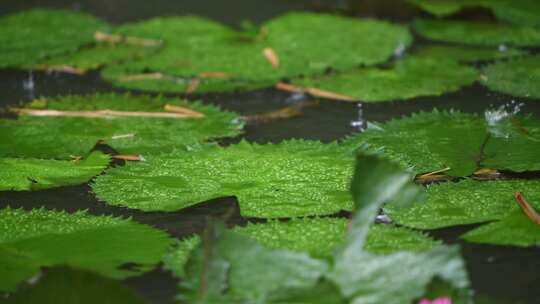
(400, 50)
(296, 97)
(496, 117)
(29, 85)
(360, 123)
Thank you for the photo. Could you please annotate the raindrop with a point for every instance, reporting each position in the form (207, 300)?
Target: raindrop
(359, 123)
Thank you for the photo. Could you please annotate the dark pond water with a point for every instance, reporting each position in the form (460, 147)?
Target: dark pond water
(500, 272)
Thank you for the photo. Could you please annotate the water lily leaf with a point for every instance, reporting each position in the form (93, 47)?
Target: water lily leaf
(409, 78)
(523, 12)
(319, 237)
(478, 33)
(518, 77)
(465, 202)
(220, 58)
(471, 202)
(516, 229)
(465, 54)
(66, 286)
(31, 136)
(23, 174)
(223, 268)
(290, 179)
(92, 58)
(366, 278)
(462, 142)
(30, 37)
(40, 238)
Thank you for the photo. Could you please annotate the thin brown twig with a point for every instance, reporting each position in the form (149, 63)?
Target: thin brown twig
(116, 38)
(314, 92)
(104, 114)
(527, 208)
(182, 110)
(271, 56)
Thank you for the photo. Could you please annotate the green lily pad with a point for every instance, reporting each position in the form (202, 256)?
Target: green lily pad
(23, 174)
(472, 202)
(516, 229)
(66, 286)
(208, 48)
(40, 238)
(95, 57)
(518, 77)
(409, 78)
(319, 237)
(465, 202)
(428, 142)
(524, 12)
(478, 33)
(60, 137)
(371, 279)
(32, 36)
(465, 54)
(290, 179)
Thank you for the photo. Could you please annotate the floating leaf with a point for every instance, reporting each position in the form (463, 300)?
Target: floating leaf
(319, 237)
(65, 286)
(409, 78)
(513, 230)
(23, 174)
(39, 238)
(60, 137)
(465, 202)
(290, 179)
(30, 37)
(294, 41)
(478, 33)
(223, 269)
(517, 77)
(465, 54)
(471, 202)
(95, 57)
(523, 12)
(429, 142)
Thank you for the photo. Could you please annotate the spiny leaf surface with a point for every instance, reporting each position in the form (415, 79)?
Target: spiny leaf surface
(102, 244)
(290, 179)
(23, 174)
(465, 54)
(408, 78)
(60, 137)
(518, 77)
(31, 36)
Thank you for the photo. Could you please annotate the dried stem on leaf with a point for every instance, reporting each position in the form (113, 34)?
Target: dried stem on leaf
(146, 76)
(60, 68)
(271, 56)
(314, 92)
(182, 110)
(105, 114)
(115, 38)
(527, 208)
(128, 157)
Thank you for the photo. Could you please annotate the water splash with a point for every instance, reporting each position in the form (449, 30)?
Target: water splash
(360, 123)
(497, 119)
(400, 50)
(29, 85)
(296, 97)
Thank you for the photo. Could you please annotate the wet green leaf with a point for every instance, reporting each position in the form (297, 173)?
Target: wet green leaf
(518, 77)
(290, 179)
(465, 54)
(319, 237)
(516, 229)
(428, 142)
(223, 267)
(23, 174)
(208, 48)
(471, 202)
(478, 33)
(30, 37)
(39, 238)
(395, 278)
(91, 58)
(465, 202)
(60, 137)
(523, 12)
(408, 78)
(65, 286)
